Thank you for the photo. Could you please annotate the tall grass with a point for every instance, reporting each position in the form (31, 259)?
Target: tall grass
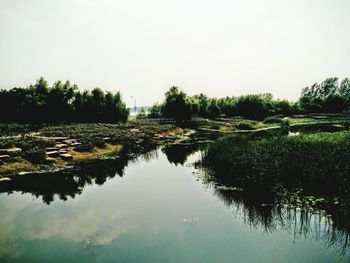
(316, 163)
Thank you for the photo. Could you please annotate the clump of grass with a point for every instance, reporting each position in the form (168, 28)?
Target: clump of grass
(96, 152)
(19, 165)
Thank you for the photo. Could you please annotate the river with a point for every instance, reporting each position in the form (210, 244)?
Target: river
(156, 208)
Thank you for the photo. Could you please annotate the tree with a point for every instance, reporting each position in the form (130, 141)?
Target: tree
(155, 111)
(254, 107)
(175, 105)
(213, 110)
(344, 89)
(62, 102)
(335, 103)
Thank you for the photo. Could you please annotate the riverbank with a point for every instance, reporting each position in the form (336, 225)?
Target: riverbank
(42, 147)
(27, 149)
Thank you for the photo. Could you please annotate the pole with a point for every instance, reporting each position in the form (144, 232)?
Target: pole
(134, 103)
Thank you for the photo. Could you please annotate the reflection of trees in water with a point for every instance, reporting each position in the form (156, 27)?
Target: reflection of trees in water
(147, 157)
(178, 153)
(68, 183)
(261, 211)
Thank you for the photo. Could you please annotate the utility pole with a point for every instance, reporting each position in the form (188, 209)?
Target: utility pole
(134, 103)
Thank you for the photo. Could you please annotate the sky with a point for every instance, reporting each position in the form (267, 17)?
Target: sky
(142, 48)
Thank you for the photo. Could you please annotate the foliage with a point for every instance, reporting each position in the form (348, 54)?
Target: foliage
(155, 111)
(176, 105)
(141, 114)
(61, 102)
(179, 106)
(329, 96)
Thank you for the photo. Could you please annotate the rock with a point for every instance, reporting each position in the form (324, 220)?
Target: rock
(49, 160)
(66, 156)
(5, 158)
(106, 139)
(11, 151)
(158, 136)
(75, 144)
(49, 149)
(61, 145)
(59, 139)
(5, 179)
(70, 141)
(14, 151)
(25, 173)
(53, 154)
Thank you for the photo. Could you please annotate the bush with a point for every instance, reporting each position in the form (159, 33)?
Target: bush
(245, 125)
(84, 148)
(273, 119)
(35, 156)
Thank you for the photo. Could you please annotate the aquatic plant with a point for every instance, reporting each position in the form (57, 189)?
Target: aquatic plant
(316, 163)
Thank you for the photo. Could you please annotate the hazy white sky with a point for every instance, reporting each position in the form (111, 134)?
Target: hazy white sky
(221, 47)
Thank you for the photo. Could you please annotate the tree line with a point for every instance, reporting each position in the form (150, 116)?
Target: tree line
(61, 102)
(330, 96)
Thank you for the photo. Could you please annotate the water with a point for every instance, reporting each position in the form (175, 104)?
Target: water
(154, 210)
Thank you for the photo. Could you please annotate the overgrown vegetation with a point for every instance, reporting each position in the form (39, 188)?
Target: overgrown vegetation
(329, 96)
(316, 164)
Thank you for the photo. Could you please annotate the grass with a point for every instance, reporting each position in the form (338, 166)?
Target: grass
(19, 165)
(95, 153)
(316, 163)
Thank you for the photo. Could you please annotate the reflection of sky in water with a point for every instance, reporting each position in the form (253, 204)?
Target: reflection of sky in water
(140, 218)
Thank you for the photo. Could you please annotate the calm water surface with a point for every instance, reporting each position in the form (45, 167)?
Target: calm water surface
(157, 211)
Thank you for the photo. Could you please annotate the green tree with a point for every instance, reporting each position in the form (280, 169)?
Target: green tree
(176, 106)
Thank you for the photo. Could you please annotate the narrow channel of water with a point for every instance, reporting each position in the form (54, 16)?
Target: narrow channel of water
(157, 208)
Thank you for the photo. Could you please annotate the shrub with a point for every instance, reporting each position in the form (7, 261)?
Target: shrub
(245, 125)
(273, 119)
(35, 156)
(84, 148)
